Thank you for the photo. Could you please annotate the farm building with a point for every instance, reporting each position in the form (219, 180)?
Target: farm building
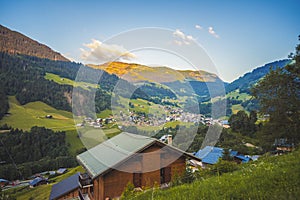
(125, 158)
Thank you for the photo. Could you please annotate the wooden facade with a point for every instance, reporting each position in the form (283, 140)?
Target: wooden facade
(70, 195)
(155, 164)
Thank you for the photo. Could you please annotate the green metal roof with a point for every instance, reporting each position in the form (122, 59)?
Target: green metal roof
(108, 154)
(111, 152)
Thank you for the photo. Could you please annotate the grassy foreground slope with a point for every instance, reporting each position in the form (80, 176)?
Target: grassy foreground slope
(276, 177)
(34, 114)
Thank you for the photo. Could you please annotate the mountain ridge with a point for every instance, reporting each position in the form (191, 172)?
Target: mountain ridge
(244, 82)
(136, 73)
(13, 42)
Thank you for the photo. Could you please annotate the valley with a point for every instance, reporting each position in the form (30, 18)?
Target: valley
(53, 110)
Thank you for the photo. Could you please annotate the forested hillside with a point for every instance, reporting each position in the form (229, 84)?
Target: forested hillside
(245, 82)
(23, 153)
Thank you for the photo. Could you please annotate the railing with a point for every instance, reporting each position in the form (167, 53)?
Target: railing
(85, 180)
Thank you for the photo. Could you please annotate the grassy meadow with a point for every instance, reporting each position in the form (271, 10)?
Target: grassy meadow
(34, 114)
(66, 81)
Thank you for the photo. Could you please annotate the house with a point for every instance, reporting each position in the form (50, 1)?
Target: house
(38, 181)
(168, 139)
(125, 158)
(241, 158)
(61, 170)
(283, 145)
(3, 182)
(211, 155)
(66, 189)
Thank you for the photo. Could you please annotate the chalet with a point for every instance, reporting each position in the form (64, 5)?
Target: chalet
(66, 189)
(125, 158)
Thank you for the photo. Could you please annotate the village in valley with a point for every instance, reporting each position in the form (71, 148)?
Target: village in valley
(140, 100)
(166, 160)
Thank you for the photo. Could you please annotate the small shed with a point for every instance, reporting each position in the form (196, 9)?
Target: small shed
(38, 181)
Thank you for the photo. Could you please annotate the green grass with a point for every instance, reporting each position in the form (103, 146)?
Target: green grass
(65, 81)
(74, 142)
(104, 114)
(91, 137)
(276, 177)
(237, 107)
(33, 114)
(42, 192)
(239, 96)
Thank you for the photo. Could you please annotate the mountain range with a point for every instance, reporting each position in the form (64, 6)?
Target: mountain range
(21, 54)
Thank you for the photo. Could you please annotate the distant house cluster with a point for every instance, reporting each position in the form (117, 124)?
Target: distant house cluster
(131, 118)
(96, 123)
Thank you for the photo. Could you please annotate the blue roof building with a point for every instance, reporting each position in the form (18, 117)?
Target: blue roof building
(233, 153)
(211, 155)
(65, 187)
(243, 158)
(3, 180)
(38, 181)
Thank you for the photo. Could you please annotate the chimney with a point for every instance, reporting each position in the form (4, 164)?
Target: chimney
(169, 139)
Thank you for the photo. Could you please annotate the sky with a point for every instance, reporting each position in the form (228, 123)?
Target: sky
(235, 35)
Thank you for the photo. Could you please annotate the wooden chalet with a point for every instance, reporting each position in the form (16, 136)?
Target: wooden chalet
(125, 158)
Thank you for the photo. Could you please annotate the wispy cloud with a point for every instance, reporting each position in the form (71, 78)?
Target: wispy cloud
(100, 52)
(212, 32)
(181, 38)
(197, 26)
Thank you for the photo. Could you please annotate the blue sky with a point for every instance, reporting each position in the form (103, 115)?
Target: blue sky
(238, 35)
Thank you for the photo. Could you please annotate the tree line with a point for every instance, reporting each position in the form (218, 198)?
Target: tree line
(23, 153)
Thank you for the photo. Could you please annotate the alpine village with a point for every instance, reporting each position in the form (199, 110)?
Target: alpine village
(160, 141)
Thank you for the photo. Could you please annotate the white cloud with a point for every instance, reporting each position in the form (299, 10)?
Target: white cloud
(179, 34)
(197, 26)
(182, 38)
(212, 32)
(99, 52)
